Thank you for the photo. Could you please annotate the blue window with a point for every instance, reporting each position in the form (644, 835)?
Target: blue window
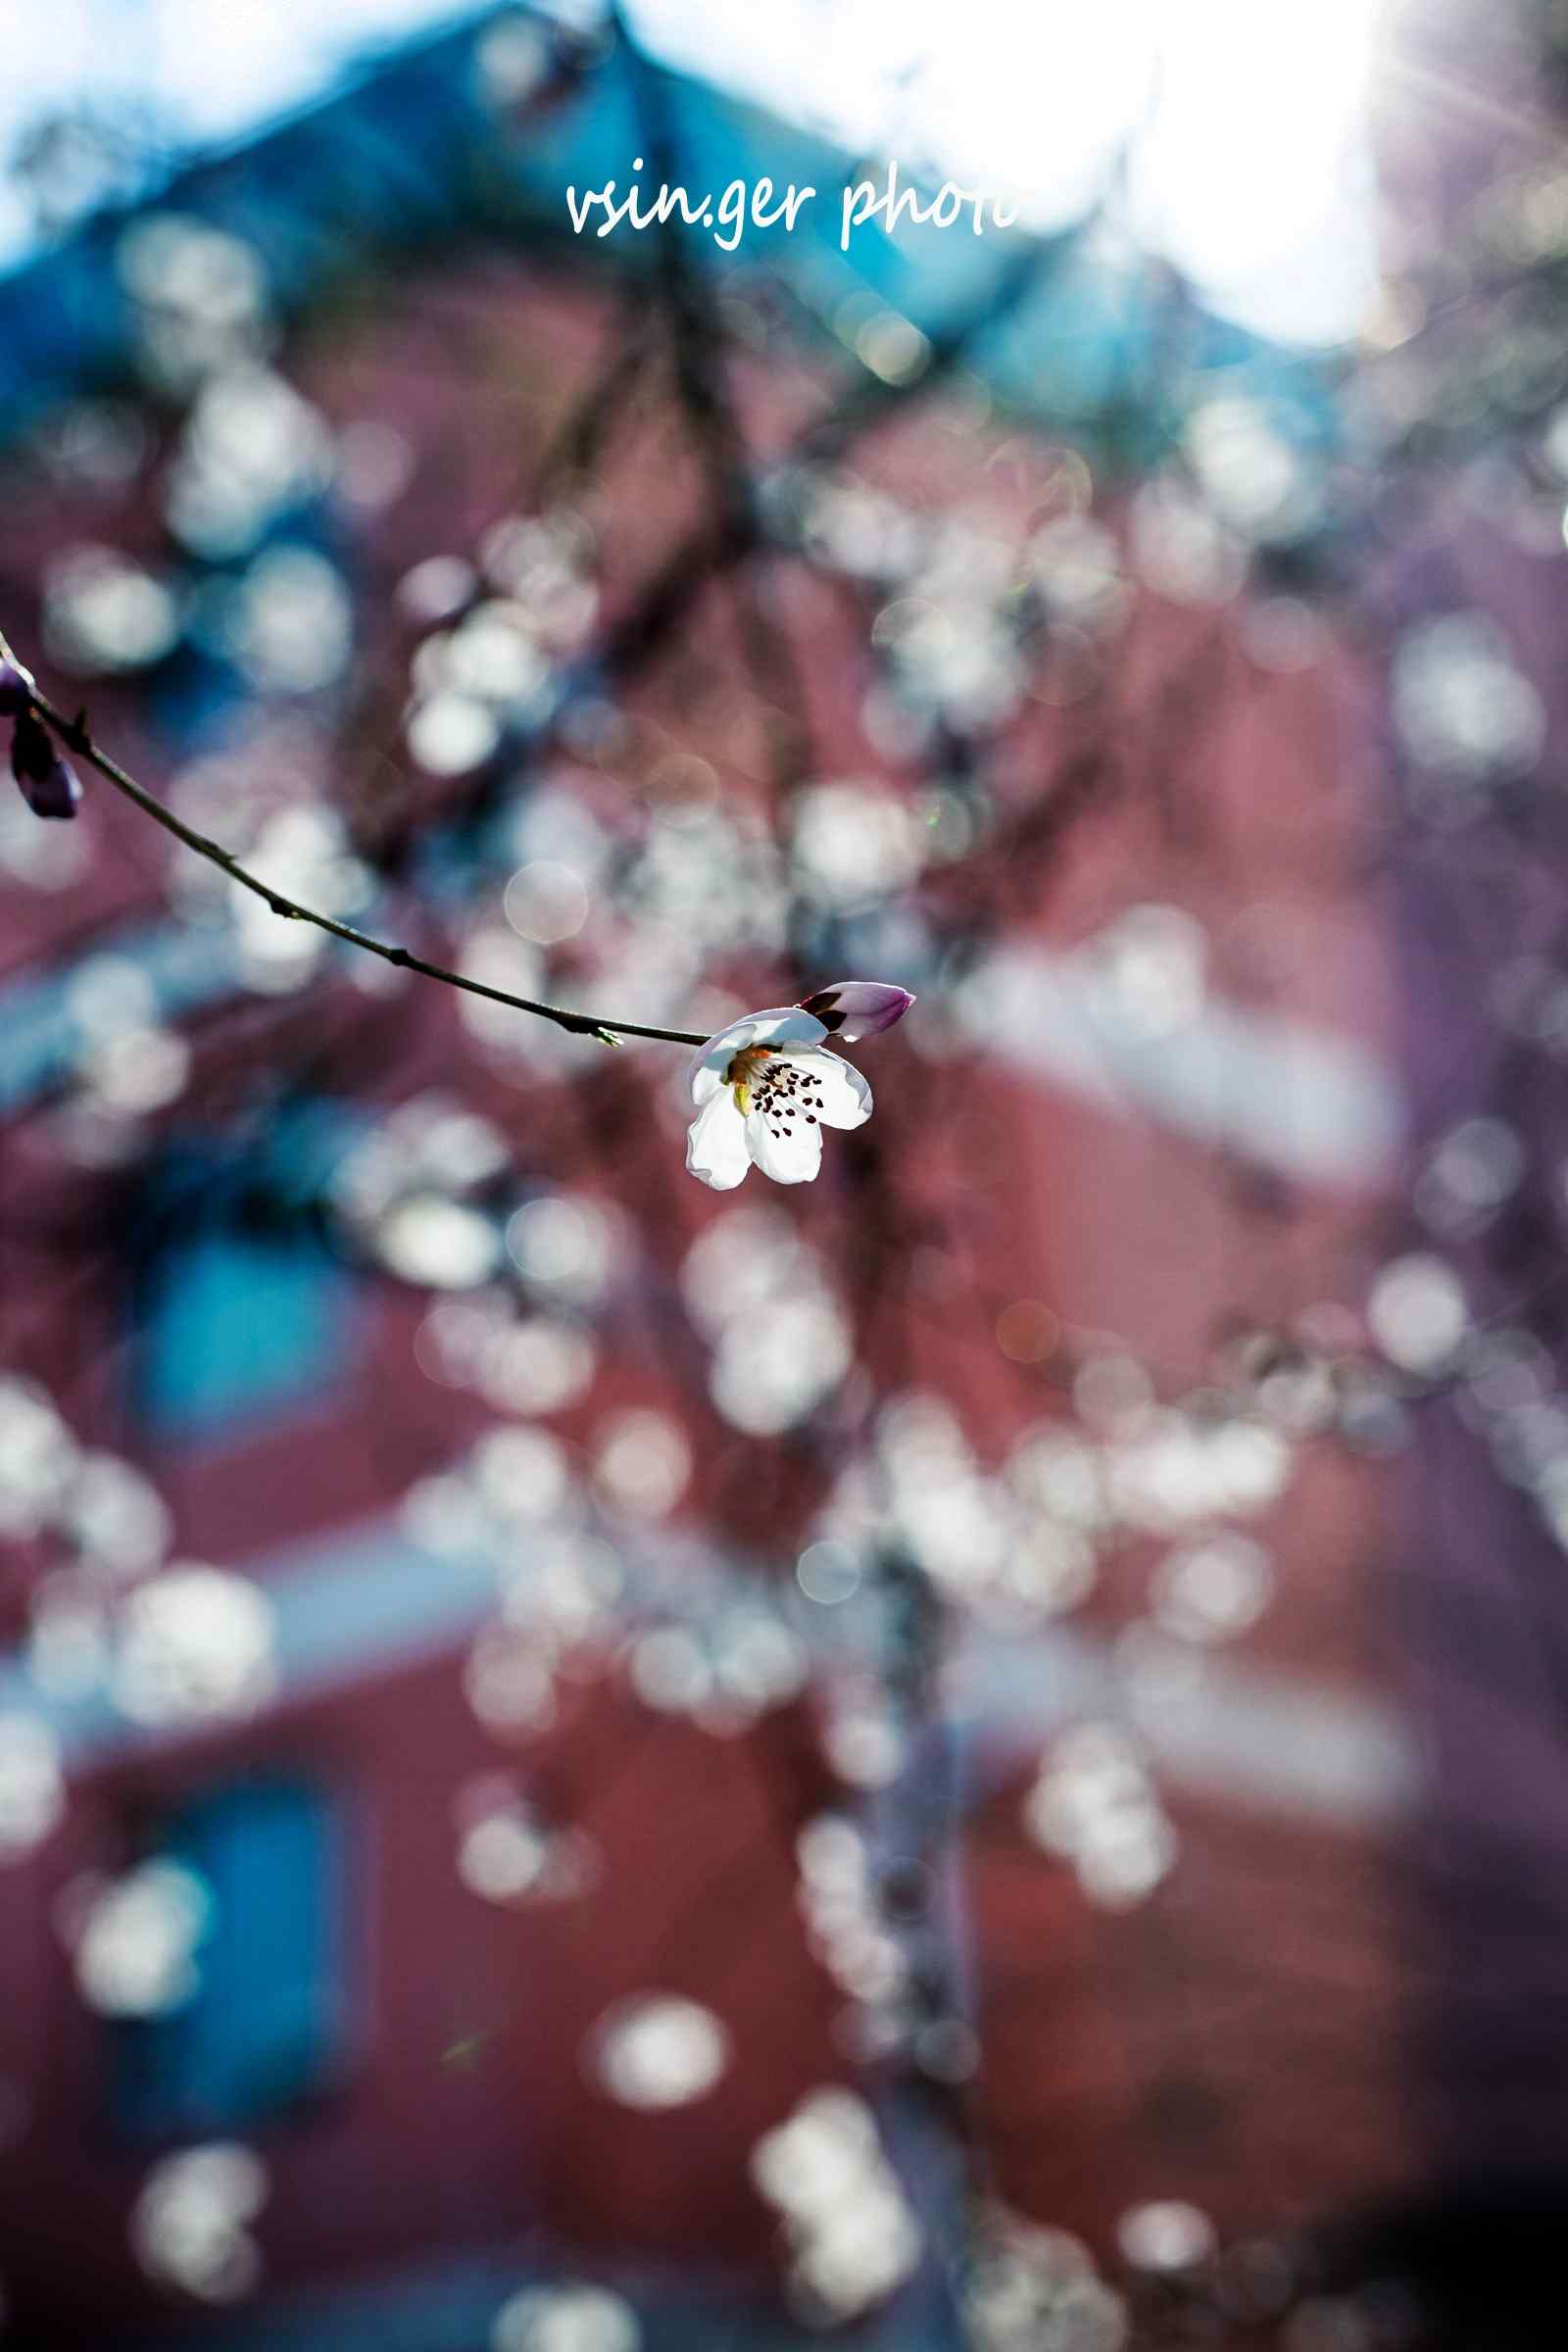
(263, 2024)
(238, 1324)
(242, 1311)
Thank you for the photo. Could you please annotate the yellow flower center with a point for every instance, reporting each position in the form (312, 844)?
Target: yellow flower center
(744, 1072)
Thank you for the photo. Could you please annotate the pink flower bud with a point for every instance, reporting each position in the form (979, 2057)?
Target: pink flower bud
(855, 1008)
(49, 784)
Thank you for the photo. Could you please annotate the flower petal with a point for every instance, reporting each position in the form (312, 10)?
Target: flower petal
(791, 1156)
(716, 1144)
(786, 1025)
(845, 1096)
(704, 1072)
(706, 1069)
(856, 1009)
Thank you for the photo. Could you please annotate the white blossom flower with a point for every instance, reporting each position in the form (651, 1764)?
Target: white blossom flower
(765, 1090)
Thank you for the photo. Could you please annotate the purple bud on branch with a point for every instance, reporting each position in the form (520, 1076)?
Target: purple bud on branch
(856, 1009)
(15, 687)
(49, 784)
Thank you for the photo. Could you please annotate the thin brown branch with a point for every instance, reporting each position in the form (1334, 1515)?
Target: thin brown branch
(75, 735)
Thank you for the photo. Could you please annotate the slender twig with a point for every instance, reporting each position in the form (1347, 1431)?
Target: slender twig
(76, 736)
